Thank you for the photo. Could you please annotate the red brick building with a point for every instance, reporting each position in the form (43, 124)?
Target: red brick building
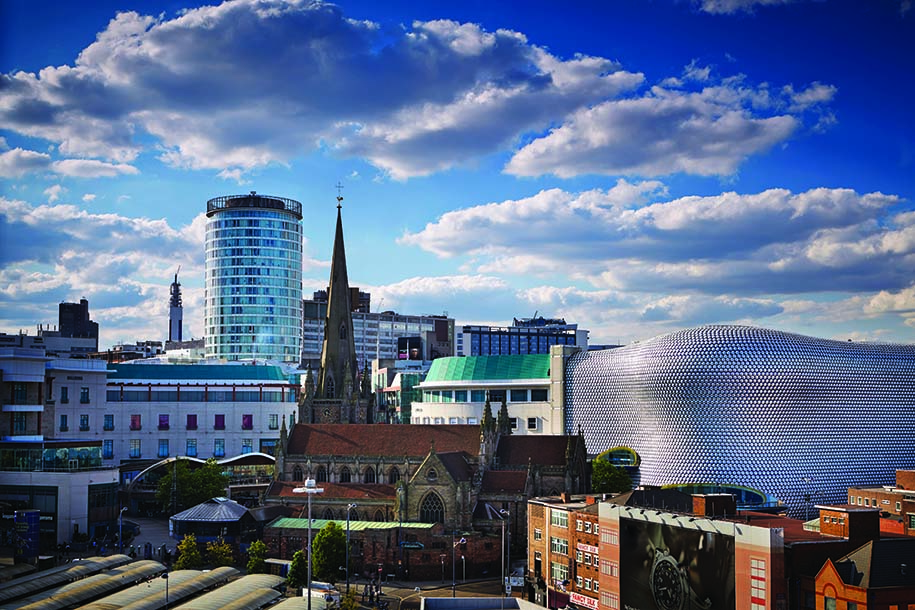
(896, 503)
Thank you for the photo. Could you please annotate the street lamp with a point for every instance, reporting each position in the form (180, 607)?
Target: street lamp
(464, 566)
(453, 545)
(443, 567)
(349, 507)
(309, 489)
(121, 529)
(506, 516)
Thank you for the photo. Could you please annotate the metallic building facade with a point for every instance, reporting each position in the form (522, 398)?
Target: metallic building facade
(799, 418)
(253, 306)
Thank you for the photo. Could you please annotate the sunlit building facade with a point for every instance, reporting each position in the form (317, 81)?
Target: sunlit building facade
(253, 304)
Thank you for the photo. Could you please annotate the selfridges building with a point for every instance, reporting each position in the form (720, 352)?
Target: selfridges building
(799, 418)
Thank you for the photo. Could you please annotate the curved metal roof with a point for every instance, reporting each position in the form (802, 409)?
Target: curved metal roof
(151, 595)
(488, 368)
(94, 587)
(249, 592)
(55, 577)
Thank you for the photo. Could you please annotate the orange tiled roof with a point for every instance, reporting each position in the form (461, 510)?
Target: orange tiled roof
(380, 440)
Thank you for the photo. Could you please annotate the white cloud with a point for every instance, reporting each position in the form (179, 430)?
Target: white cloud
(707, 133)
(89, 197)
(630, 239)
(54, 192)
(90, 168)
(737, 6)
(816, 93)
(17, 162)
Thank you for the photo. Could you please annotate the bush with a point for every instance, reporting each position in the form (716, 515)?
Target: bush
(188, 554)
(257, 552)
(220, 553)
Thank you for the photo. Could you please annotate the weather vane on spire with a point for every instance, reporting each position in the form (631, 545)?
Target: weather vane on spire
(339, 188)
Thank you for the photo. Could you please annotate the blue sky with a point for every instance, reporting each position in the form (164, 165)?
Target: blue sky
(635, 167)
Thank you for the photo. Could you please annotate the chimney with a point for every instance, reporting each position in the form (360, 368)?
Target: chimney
(564, 497)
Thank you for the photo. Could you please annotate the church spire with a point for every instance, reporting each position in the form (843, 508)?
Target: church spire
(338, 355)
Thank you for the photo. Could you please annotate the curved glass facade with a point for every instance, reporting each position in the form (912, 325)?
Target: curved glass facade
(253, 303)
(799, 418)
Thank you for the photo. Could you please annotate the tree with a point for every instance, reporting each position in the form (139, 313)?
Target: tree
(194, 485)
(257, 552)
(348, 601)
(607, 478)
(298, 570)
(329, 552)
(220, 552)
(188, 554)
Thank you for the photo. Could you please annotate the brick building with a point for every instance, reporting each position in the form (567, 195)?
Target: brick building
(896, 503)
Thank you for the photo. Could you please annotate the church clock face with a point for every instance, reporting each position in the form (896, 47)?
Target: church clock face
(326, 412)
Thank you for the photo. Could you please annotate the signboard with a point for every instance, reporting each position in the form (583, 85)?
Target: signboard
(587, 548)
(516, 581)
(412, 545)
(582, 600)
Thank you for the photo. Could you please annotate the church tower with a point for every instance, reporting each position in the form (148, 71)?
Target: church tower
(338, 396)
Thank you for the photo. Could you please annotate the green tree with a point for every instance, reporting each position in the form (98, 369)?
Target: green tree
(220, 552)
(298, 570)
(329, 552)
(607, 478)
(194, 485)
(188, 554)
(257, 553)
(348, 601)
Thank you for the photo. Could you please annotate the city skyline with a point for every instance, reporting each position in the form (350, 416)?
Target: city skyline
(636, 168)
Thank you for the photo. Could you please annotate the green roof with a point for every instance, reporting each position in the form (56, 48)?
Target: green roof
(220, 372)
(490, 368)
(317, 524)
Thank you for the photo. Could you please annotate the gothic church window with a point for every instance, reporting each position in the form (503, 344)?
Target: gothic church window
(369, 475)
(379, 516)
(432, 509)
(329, 514)
(393, 476)
(321, 476)
(329, 388)
(297, 474)
(345, 475)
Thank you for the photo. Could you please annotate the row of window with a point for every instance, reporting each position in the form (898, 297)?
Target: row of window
(195, 395)
(65, 395)
(587, 584)
(586, 526)
(872, 502)
(586, 558)
(369, 475)
(532, 423)
(190, 447)
(136, 422)
(525, 395)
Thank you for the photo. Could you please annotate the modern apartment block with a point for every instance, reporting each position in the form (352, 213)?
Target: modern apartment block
(253, 301)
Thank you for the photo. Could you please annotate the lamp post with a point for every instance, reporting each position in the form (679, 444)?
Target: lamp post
(349, 507)
(443, 568)
(464, 566)
(165, 576)
(506, 516)
(121, 529)
(309, 489)
(453, 545)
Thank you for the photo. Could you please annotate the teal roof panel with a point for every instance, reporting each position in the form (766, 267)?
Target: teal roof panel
(221, 372)
(490, 368)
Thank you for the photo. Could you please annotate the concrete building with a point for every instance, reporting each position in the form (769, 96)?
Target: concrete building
(525, 336)
(175, 312)
(253, 300)
(455, 391)
(798, 418)
(44, 468)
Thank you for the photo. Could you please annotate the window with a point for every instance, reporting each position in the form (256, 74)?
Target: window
(538, 396)
(108, 426)
(84, 422)
(369, 475)
(559, 518)
(587, 559)
(297, 474)
(135, 422)
(460, 396)
(163, 421)
(432, 509)
(518, 395)
(247, 445)
(514, 422)
(191, 449)
(596, 587)
(531, 423)
(329, 388)
(579, 556)
(452, 420)
(559, 545)
(898, 506)
(219, 422)
(107, 448)
(579, 581)
(84, 396)
(273, 421)
(393, 476)
(163, 447)
(758, 583)
(19, 423)
(587, 527)
(345, 475)
(191, 421)
(596, 529)
(473, 421)
(135, 448)
(64, 394)
(867, 501)
(829, 603)
(247, 421)
(321, 476)
(579, 525)
(63, 422)
(219, 447)
(477, 395)
(559, 572)
(538, 534)
(587, 584)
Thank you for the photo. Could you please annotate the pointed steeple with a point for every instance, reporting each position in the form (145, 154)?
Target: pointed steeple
(487, 423)
(339, 351)
(504, 425)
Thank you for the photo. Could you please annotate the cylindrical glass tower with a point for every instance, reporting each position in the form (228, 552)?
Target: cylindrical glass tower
(253, 278)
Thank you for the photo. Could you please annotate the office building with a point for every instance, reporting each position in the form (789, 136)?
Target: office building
(525, 336)
(798, 418)
(253, 300)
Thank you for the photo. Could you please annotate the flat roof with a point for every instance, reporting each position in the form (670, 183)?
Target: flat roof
(221, 372)
(489, 368)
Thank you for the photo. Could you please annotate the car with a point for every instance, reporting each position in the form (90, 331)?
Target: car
(325, 591)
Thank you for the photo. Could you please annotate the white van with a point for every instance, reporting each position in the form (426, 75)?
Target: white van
(325, 591)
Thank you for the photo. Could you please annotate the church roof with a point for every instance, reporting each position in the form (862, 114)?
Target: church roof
(542, 449)
(489, 368)
(382, 440)
(513, 481)
(456, 463)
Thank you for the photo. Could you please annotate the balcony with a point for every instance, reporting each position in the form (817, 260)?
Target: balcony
(163, 427)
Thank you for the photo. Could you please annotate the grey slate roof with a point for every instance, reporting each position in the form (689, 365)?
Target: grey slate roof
(215, 509)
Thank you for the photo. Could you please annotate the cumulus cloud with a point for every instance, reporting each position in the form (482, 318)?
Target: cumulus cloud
(54, 192)
(737, 6)
(442, 92)
(89, 197)
(17, 162)
(629, 238)
(91, 168)
(59, 252)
